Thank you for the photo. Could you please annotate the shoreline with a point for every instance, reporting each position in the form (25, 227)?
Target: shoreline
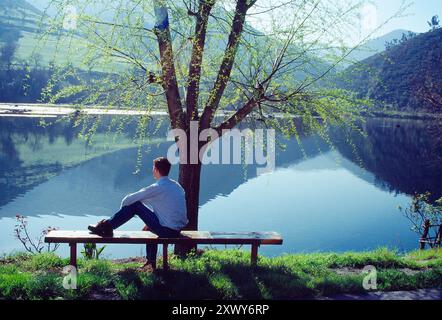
(51, 110)
(38, 110)
(402, 115)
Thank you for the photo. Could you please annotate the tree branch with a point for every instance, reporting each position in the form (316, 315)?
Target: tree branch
(226, 66)
(237, 117)
(205, 6)
(169, 79)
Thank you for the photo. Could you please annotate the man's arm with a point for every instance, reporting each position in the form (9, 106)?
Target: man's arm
(141, 195)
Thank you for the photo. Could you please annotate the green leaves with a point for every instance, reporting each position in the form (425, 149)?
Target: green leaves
(421, 209)
(91, 252)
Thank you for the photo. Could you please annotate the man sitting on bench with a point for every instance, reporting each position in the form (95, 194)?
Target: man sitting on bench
(162, 207)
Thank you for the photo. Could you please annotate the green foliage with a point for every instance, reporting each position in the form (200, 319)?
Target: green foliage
(90, 251)
(13, 284)
(87, 282)
(44, 261)
(44, 287)
(334, 284)
(405, 77)
(430, 258)
(224, 274)
(98, 267)
(421, 210)
(381, 258)
(396, 42)
(18, 284)
(284, 60)
(16, 257)
(434, 23)
(394, 280)
(224, 285)
(127, 291)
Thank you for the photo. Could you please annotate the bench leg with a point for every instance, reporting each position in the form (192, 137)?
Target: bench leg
(165, 257)
(73, 259)
(254, 255)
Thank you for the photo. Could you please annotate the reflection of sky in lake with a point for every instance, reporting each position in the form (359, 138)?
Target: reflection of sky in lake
(316, 205)
(320, 203)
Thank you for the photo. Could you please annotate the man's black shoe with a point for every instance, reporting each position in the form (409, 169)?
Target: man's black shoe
(102, 229)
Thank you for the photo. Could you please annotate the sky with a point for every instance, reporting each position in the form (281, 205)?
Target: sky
(416, 17)
(411, 15)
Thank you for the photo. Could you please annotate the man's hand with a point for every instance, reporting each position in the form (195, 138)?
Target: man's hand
(146, 228)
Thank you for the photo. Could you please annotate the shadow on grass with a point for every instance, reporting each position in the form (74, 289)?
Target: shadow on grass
(171, 285)
(224, 281)
(213, 275)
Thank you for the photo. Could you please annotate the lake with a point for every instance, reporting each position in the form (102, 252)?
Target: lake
(321, 197)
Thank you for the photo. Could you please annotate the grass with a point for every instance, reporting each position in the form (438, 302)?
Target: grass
(221, 274)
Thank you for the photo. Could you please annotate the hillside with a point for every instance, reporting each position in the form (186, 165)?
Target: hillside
(20, 30)
(21, 25)
(376, 45)
(18, 6)
(18, 15)
(405, 77)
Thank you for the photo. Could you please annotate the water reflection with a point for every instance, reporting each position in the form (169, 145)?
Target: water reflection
(31, 154)
(353, 187)
(403, 155)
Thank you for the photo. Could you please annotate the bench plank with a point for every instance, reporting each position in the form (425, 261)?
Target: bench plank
(146, 237)
(255, 239)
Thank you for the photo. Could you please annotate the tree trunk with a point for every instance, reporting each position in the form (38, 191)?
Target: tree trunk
(189, 178)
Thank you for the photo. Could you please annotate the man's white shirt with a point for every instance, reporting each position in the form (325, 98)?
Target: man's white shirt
(166, 198)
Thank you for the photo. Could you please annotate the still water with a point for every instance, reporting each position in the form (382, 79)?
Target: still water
(321, 197)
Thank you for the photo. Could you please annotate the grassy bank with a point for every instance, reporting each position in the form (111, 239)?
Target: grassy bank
(217, 274)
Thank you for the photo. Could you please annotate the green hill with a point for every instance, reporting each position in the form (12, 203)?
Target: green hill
(21, 24)
(18, 7)
(406, 77)
(376, 45)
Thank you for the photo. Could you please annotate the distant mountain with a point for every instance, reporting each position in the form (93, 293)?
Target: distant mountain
(17, 6)
(18, 16)
(24, 57)
(377, 45)
(405, 77)
(20, 28)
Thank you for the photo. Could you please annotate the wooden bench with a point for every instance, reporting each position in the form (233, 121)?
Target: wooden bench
(254, 239)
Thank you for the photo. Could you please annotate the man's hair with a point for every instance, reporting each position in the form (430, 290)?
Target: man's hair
(163, 165)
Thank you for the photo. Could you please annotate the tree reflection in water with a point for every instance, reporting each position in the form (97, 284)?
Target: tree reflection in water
(403, 155)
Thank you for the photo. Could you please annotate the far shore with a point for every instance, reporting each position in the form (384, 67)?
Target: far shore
(38, 110)
(52, 110)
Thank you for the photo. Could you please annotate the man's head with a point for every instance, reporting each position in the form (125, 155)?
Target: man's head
(161, 167)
